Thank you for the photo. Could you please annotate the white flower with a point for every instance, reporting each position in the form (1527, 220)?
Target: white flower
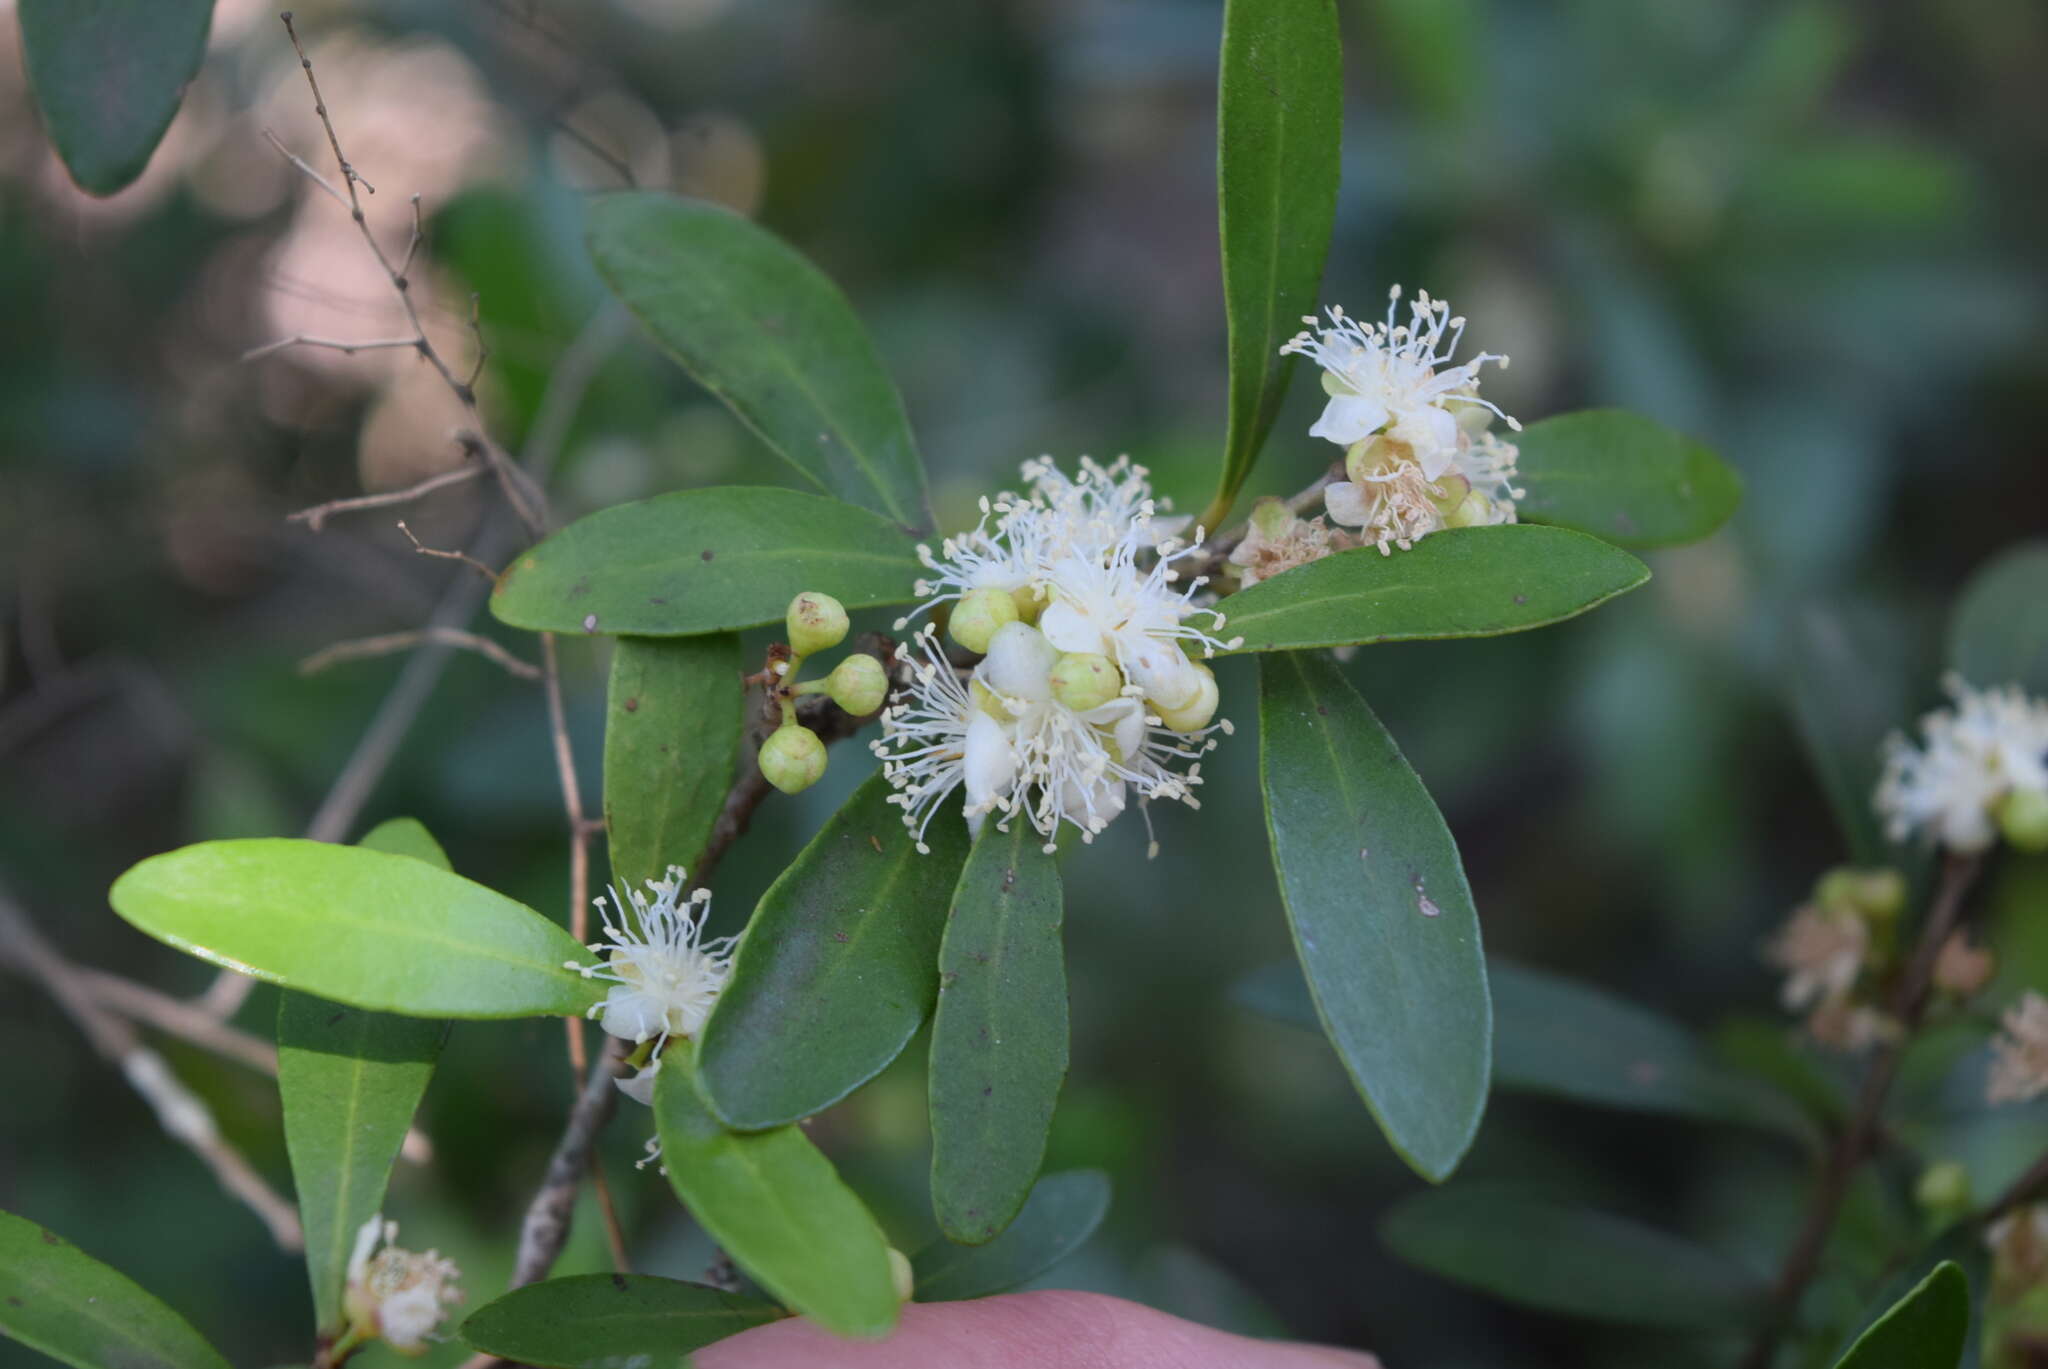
(1397, 379)
(1991, 745)
(1137, 618)
(400, 1295)
(2019, 1065)
(1090, 514)
(1821, 950)
(665, 977)
(1006, 550)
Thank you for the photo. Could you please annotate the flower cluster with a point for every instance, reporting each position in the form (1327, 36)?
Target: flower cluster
(1983, 768)
(1827, 945)
(2019, 1053)
(1417, 451)
(1086, 688)
(399, 1295)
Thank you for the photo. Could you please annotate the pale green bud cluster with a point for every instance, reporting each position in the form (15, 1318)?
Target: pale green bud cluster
(793, 758)
(1878, 896)
(2023, 818)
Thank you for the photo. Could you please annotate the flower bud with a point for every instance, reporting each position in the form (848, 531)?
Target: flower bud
(2023, 817)
(858, 684)
(793, 759)
(815, 622)
(1085, 679)
(900, 1273)
(1020, 662)
(1194, 715)
(1879, 895)
(1943, 1190)
(977, 616)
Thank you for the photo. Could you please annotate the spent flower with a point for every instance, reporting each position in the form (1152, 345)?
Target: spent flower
(396, 1294)
(2019, 1053)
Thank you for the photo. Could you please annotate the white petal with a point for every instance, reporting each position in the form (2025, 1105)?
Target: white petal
(1350, 418)
(1020, 661)
(1433, 434)
(640, 1088)
(1090, 805)
(1347, 503)
(1070, 628)
(1125, 719)
(1162, 670)
(989, 764)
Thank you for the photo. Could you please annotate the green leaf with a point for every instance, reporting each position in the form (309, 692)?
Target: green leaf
(759, 326)
(1464, 582)
(350, 1082)
(108, 76)
(999, 1034)
(57, 1299)
(1846, 687)
(602, 1321)
(1999, 632)
(1279, 121)
(1540, 1252)
(1623, 478)
(1057, 1219)
(776, 1205)
(671, 733)
(362, 927)
(1380, 911)
(705, 561)
(838, 967)
(1925, 1329)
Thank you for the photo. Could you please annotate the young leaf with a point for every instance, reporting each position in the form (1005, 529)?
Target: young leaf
(57, 1299)
(1999, 632)
(602, 1321)
(350, 1082)
(108, 76)
(1381, 915)
(362, 927)
(1279, 120)
(701, 561)
(1537, 1251)
(1056, 1220)
(838, 967)
(999, 1034)
(777, 1207)
(672, 725)
(1623, 478)
(1465, 582)
(760, 327)
(1926, 1329)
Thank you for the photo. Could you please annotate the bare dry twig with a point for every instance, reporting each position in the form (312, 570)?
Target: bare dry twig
(365, 648)
(317, 516)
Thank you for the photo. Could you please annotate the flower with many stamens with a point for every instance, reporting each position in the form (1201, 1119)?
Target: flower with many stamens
(1982, 766)
(398, 1295)
(665, 977)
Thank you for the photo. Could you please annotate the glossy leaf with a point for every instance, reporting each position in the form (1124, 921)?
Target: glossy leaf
(362, 927)
(1926, 1329)
(702, 561)
(671, 733)
(1624, 478)
(999, 1033)
(837, 968)
(108, 76)
(1540, 1252)
(755, 323)
(1466, 582)
(776, 1205)
(350, 1082)
(57, 1299)
(1056, 1220)
(1279, 121)
(1999, 633)
(1381, 915)
(603, 1321)
(1846, 686)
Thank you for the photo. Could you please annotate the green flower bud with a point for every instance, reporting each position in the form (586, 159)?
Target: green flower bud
(1085, 679)
(815, 622)
(1879, 895)
(1943, 1190)
(900, 1273)
(977, 616)
(2023, 817)
(1195, 714)
(793, 759)
(858, 684)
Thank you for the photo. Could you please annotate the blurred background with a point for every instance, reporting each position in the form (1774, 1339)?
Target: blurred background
(1807, 233)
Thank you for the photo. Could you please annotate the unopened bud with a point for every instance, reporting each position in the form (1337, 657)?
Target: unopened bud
(1943, 1190)
(1879, 895)
(858, 684)
(816, 622)
(977, 616)
(793, 759)
(1085, 679)
(2023, 817)
(901, 1274)
(1195, 714)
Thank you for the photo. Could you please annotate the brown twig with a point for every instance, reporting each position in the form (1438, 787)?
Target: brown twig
(365, 648)
(1908, 1006)
(317, 516)
(441, 553)
(2020, 1191)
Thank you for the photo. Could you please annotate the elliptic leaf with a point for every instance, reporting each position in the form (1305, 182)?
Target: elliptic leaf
(672, 728)
(603, 1321)
(999, 1034)
(1279, 120)
(57, 1299)
(362, 927)
(1926, 1329)
(838, 967)
(1380, 911)
(705, 561)
(1623, 478)
(1999, 633)
(108, 76)
(1057, 1219)
(776, 1205)
(763, 329)
(1465, 582)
